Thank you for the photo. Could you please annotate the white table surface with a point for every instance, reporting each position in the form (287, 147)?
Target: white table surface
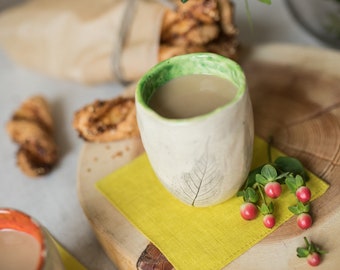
(53, 199)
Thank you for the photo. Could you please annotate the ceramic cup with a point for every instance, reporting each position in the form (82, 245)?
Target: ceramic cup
(26, 244)
(202, 160)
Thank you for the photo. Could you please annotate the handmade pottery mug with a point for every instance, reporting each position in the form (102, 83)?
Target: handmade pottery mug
(26, 244)
(202, 156)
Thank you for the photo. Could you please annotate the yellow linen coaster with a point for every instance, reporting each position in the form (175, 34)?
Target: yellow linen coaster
(192, 238)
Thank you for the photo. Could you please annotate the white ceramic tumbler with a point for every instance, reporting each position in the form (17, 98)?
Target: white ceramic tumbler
(202, 160)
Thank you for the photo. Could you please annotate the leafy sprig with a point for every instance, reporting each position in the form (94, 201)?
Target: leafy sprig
(310, 247)
(279, 170)
(299, 208)
(263, 185)
(311, 252)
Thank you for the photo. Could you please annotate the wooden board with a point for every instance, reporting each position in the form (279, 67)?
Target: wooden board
(295, 93)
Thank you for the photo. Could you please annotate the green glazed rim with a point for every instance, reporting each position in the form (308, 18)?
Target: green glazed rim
(187, 64)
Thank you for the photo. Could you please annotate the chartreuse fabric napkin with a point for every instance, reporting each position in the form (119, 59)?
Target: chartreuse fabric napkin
(192, 238)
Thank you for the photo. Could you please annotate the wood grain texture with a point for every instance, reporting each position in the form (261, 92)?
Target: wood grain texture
(298, 103)
(295, 93)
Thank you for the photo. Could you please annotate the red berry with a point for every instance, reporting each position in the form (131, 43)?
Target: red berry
(304, 221)
(248, 211)
(269, 221)
(314, 259)
(273, 190)
(303, 194)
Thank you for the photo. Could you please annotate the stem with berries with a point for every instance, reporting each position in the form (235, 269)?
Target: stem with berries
(311, 252)
(296, 185)
(264, 184)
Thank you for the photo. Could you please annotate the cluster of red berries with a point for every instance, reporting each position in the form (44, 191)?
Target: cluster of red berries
(302, 208)
(265, 184)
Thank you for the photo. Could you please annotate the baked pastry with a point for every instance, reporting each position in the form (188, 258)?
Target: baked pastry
(199, 26)
(106, 121)
(31, 127)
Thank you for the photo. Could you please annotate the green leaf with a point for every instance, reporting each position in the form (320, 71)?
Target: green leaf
(250, 195)
(251, 179)
(299, 181)
(281, 178)
(291, 183)
(240, 193)
(267, 209)
(312, 247)
(271, 208)
(282, 175)
(184, 1)
(299, 208)
(309, 248)
(302, 252)
(261, 180)
(292, 165)
(320, 251)
(303, 208)
(269, 172)
(264, 209)
(294, 209)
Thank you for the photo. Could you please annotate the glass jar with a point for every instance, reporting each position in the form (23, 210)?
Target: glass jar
(25, 243)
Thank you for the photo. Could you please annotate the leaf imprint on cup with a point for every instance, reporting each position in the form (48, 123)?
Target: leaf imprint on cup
(202, 183)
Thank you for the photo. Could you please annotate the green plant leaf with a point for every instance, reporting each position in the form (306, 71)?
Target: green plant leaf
(309, 248)
(240, 193)
(250, 195)
(299, 208)
(320, 251)
(269, 172)
(261, 180)
(294, 209)
(264, 209)
(302, 252)
(281, 178)
(251, 179)
(292, 165)
(291, 183)
(271, 207)
(303, 208)
(299, 181)
(282, 175)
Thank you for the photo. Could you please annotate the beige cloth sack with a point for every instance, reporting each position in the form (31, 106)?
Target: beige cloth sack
(81, 40)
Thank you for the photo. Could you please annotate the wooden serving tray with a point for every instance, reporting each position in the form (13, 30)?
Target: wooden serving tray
(295, 93)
